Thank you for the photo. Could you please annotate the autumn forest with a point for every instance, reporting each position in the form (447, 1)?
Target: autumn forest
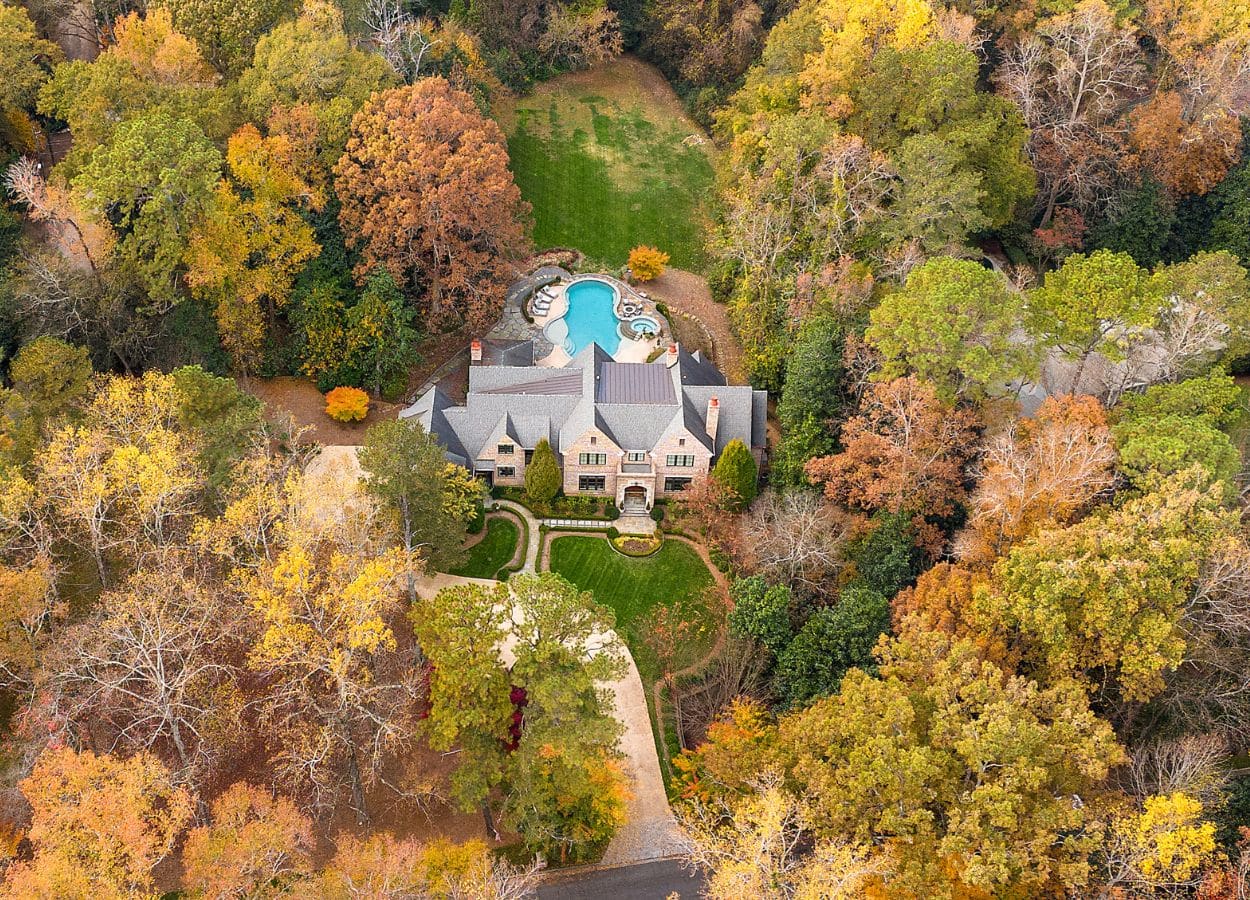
(977, 625)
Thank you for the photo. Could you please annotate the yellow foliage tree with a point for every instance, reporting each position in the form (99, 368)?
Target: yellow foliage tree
(324, 614)
(1166, 843)
(647, 263)
(244, 256)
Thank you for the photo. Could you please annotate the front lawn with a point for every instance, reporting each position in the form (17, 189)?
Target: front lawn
(609, 160)
(674, 577)
(492, 552)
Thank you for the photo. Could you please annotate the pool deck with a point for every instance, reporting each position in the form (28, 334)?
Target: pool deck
(630, 351)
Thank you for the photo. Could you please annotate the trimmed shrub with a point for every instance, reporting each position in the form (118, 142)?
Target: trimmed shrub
(347, 404)
(478, 522)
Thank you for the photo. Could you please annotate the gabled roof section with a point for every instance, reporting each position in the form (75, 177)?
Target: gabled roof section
(565, 382)
(685, 420)
(693, 369)
(430, 409)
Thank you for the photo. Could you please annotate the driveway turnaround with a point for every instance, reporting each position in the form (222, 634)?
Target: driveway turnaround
(647, 881)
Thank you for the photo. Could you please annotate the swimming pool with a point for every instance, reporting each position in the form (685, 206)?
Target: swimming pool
(591, 317)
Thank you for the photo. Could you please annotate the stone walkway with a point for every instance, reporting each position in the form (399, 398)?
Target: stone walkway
(535, 536)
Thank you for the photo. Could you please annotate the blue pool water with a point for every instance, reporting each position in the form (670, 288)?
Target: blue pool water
(591, 316)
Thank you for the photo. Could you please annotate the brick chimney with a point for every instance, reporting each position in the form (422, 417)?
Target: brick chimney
(713, 419)
(475, 351)
(670, 359)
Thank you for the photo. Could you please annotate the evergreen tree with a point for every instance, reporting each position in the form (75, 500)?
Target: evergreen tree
(542, 475)
(812, 399)
(736, 470)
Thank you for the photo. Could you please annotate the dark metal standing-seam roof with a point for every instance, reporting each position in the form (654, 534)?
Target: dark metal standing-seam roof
(634, 383)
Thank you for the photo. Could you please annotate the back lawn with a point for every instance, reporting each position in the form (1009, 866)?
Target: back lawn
(609, 160)
(675, 577)
(494, 551)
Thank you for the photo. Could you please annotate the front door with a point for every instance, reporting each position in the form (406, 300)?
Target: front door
(635, 499)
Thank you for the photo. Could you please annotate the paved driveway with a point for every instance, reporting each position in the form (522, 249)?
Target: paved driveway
(648, 881)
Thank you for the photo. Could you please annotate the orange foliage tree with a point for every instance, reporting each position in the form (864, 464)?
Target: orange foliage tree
(99, 825)
(427, 195)
(1187, 157)
(904, 452)
(347, 404)
(944, 599)
(1044, 470)
(255, 843)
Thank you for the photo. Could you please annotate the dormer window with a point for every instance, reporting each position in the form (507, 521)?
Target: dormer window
(504, 450)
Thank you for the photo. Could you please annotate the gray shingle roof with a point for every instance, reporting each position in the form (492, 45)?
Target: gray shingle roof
(635, 404)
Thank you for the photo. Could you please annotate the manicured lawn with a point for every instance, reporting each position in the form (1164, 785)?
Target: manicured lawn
(609, 161)
(674, 577)
(492, 552)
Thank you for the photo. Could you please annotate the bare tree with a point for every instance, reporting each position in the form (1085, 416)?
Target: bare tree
(401, 39)
(795, 538)
(1194, 764)
(156, 667)
(739, 669)
(77, 236)
(1073, 80)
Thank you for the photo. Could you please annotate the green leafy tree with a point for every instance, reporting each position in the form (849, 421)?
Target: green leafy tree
(1152, 449)
(311, 63)
(1215, 398)
(834, 640)
(960, 771)
(148, 68)
(938, 204)
(761, 611)
(406, 470)
(226, 31)
(542, 474)
(566, 790)
(813, 398)
(461, 630)
(226, 418)
(1102, 600)
(1094, 304)
(21, 53)
(320, 315)
(932, 90)
(736, 470)
(381, 339)
(49, 376)
(1141, 225)
(153, 178)
(952, 324)
(886, 557)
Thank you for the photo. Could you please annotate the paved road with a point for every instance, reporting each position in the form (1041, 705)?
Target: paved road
(648, 881)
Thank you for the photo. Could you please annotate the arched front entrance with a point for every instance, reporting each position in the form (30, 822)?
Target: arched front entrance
(635, 499)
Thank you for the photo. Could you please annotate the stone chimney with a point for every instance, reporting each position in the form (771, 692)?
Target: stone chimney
(670, 359)
(475, 351)
(713, 419)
